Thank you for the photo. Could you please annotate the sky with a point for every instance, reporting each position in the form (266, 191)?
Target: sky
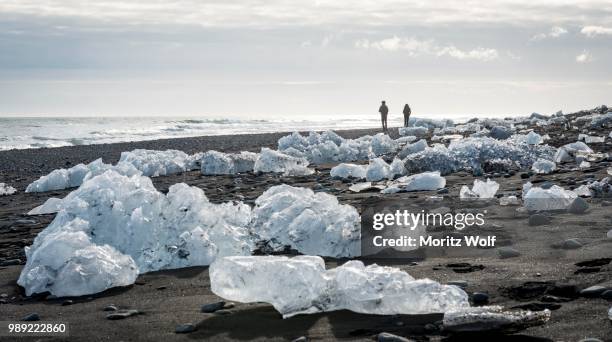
(298, 59)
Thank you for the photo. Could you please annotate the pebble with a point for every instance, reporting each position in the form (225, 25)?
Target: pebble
(387, 337)
(609, 235)
(300, 339)
(459, 283)
(593, 291)
(571, 244)
(121, 314)
(67, 302)
(578, 206)
(538, 220)
(607, 295)
(223, 312)
(546, 185)
(443, 191)
(212, 307)
(479, 298)
(10, 262)
(185, 328)
(590, 339)
(31, 317)
(507, 252)
(110, 308)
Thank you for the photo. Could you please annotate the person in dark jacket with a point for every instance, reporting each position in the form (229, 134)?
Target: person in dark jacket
(407, 112)
(383, 110)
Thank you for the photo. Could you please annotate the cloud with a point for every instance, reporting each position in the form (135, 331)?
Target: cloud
(584, 57)
(555, 32)
(414, 47)
(592, 31)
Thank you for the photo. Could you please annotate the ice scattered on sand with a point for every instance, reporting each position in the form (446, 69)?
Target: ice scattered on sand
(68, 178)
(345, 171)
(275, 161)
(553, 198)
(531, 138)
(418, 146)
(425, 181)
(567, 153)
(153, 163)
(219, 163)
(327, 147)
(378, 170)
(583, 190)
(415, 131)
(510, 200)
(480, 189)
(302, 285)
(492, 318)
(312, 223)
(114, 227)
(472, 153)
(6, 189)
(602, 188)
(601, 120)
(409, 139)
(358, 187)
(543, 166)
(584, 164)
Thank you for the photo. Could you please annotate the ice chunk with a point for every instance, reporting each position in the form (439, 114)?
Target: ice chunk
(500, 132)
(601, 120)
(6, 189)
(583, 190)
(396, 168)
(416, 131)
(584, 164)
(358, 187)
(543, 166)
(409, 139)
(154, 163)
(531, 138)
(219, 163)
(327, 147)
(275, 161)
(553, 198)
(378, 170)
(144, 229)
(567, 152)
(383, 144)
(349, 171)
(418, 146)
(51, 206)
(480, 189)
(602, 188)
(302, 285)
(312, 223)
(510, 200)
(425, 181)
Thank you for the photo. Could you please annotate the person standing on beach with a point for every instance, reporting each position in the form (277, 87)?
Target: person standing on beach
(383, 110)
(407, 112)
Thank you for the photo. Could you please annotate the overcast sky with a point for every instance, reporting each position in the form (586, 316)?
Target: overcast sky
(273, 58)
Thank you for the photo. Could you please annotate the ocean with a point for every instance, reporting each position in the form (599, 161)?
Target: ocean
(40, 132)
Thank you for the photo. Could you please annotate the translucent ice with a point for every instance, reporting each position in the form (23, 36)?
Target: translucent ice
(302, 285)
(425, 181)
(113, 227)
(51, 206)
(349, 171)
(275, 161)
(326, 147)
(378, 170)
(480, 189)
(383, 144)
(219, 163)
(6, 189)
(567, 153)
(553, 198)
(154, 163)
(312, 223)
(418, 146)
(492, 319)
(68, 178)
(416, 131)
(543, 166)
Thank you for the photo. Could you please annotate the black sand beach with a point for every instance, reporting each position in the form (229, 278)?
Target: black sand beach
(172, 297)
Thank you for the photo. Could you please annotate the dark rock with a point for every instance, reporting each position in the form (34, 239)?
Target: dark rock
(524, 175)
(607, 295)
(459, 283)
(571, 244)
(67, 302)
(300, 339)
(110, 308)
(387, 337)
(507, 252)
(538, 220)
(443, 191)
(121, 314)
(594, 262)
(583, 270)
(212, 307)
(479, 298)
(10, 262)
(593, 291)
(185, 328)
(464, 267)
(500, 132)
(538, 306)
(578, 206)
(222, 312)
(31, 317)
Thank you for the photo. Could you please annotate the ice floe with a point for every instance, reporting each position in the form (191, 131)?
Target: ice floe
(425, 181)
(349, 171)
(553, 198)
(312, 223)
(378, 170)
(275, 161)
(6, 189)
(153, 163)
(219, 163)
(302, 285)
(383, 144)
(543, 166)
(480, 189)
(326, 147)
(569, 152)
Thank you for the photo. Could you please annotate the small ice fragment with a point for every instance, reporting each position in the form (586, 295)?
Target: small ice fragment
(358, 187)
(413, 131)
(553, 198)
(492, 318)
(302, 285)
(480, 189)
(275, 161)
(543, 166)
(591, 139)
(378, 170)
(51, 206)
(584, 164)
(348, 171)
(425, 181)
(509, 200)
(6, 189)
(583, 190)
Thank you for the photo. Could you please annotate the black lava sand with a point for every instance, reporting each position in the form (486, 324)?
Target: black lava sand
(168, 298)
